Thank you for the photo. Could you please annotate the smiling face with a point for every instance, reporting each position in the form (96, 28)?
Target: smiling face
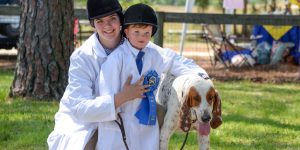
(138, 35)
(108, 29)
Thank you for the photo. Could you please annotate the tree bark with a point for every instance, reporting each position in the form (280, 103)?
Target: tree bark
(45, 44)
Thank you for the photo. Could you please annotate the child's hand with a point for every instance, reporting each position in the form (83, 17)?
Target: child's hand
(131, 91)
(136, 90)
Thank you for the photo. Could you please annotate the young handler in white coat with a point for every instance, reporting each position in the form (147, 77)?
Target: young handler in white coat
(81, 107)
(140, 24)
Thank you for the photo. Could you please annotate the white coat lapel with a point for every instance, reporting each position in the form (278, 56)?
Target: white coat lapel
(97, 47)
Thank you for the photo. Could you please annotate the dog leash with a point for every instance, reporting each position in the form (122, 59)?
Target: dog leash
(187, 133)
(185, 139)
(121, 126)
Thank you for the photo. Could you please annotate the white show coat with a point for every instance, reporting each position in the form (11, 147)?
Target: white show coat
(81, 107)
(114, 72)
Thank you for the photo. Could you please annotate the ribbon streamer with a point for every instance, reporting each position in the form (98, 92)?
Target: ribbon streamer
(147, 111)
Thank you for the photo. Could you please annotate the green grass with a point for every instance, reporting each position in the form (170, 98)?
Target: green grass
(256, 117)
(6, 77)
(24, 124)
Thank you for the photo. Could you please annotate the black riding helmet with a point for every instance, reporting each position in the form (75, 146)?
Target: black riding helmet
(101, 8)
(140, 14)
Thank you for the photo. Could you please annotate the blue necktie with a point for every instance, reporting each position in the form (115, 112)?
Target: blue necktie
(139, 61)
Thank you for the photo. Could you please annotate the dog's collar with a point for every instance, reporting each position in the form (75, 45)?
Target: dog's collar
(203, 75)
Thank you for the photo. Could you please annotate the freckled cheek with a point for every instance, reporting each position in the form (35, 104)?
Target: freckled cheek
(147, 36)
(117, 26)
(98, 26)
(138, 37)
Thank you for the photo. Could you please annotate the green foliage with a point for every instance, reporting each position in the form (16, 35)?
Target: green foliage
(202, 3)
(171, 2)
(255, 116)
(257, 1)
(126, 3)
(80, 3)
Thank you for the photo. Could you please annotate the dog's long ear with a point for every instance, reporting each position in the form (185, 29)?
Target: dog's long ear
(185, 113)
(217, 112)
(191, 99)
(185, 117)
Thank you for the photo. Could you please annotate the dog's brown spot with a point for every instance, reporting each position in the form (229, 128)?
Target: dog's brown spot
(210, 96)
(194, 99)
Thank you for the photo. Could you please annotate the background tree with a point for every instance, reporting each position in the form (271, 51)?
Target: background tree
(203, 4)
(45, 45)
(126, 3)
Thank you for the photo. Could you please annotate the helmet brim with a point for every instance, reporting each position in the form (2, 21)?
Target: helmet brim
(106, 14)
(154, 29)
(146, 23)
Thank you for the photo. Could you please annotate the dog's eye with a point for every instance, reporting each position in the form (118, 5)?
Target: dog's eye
(196, 98)
(211, 98)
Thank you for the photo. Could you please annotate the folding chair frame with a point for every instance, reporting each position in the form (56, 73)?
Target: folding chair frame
(220, 45)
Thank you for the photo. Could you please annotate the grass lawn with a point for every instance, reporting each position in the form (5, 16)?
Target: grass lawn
(256, 116)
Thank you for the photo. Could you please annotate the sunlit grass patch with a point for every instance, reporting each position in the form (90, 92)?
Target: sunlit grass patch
(26, 124)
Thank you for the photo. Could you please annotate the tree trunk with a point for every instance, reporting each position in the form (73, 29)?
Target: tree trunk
(45, 45)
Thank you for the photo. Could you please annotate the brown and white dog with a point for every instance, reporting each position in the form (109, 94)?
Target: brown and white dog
(191, 101)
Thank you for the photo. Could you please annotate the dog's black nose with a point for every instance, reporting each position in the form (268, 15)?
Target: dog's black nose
(205, 118)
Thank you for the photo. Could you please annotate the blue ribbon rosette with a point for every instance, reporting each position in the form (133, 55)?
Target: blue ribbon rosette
(147, 111)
